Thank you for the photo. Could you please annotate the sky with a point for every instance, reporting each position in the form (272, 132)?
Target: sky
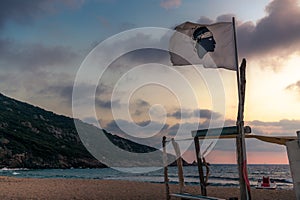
(45, 43)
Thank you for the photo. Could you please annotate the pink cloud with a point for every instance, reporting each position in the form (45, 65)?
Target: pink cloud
(168, 4)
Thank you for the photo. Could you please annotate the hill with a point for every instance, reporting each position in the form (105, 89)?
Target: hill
(31, 137)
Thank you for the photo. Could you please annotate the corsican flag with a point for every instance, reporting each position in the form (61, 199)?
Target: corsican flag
(212, 45)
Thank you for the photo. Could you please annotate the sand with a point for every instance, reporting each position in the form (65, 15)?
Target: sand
(30, 188)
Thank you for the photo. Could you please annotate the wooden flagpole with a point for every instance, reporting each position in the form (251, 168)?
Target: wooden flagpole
(240, 139)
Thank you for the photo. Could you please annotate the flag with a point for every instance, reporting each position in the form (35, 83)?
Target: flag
(212, 46)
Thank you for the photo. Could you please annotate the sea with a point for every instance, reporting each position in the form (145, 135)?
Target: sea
(225, 175)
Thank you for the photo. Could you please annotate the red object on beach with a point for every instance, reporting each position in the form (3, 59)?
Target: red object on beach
(266, 182)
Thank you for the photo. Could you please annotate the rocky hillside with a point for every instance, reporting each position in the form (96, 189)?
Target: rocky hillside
(31, 137)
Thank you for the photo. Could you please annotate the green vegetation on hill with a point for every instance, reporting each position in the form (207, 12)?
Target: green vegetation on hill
(31, 137)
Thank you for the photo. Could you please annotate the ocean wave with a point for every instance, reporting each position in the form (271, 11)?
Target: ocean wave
(282, 180)
(13, 169)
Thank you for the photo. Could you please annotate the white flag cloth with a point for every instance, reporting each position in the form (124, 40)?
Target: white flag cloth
(210, 45)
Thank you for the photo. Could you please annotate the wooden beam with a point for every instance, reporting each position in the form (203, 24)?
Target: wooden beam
(192, 196)
(281, 140)
(230, 130)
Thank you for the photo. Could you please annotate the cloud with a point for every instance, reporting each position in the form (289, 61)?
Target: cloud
(62, 88)
(90, 120)
(282, 127)
(295, 87)
(141, 107)
(170, 130)
(33, 56)
(277, 32)
(107, 104)
(24, 12)
(115, 126)
(205, 20)
(273, 37)
(220, 18)
(168, 4)
(148, 55)
(200, 113)
(63, 91)
(181, 114)
(125, 62)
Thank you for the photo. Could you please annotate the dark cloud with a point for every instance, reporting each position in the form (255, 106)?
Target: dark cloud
(124, 63)
(90, 120)
(142, 103)
(19, 11)
(141, 107)
(277, 32)
(252, 145)
(181, 114)
(142, 56)
(201, 113)
(34, 56)
(186, 128)
(64, 90)
(24, 12)
(107, 104)
(281, 127)
(221, 18)
(115, 126)
(205, 20)
(206, 114)
(225, 18)
(287, 127)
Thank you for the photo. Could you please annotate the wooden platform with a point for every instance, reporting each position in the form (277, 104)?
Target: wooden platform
(191, 196)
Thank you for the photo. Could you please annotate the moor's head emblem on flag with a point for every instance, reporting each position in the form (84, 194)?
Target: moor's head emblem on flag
(210, 45)
(205, 41)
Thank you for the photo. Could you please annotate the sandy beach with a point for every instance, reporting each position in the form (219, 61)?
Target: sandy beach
(30, 188)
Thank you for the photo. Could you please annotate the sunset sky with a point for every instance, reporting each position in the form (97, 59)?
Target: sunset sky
(43, 43)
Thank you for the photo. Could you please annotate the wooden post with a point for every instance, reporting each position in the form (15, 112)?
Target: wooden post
(165, 163)
(293, 150)
(200, 169)
(240, 140)
(179, 165)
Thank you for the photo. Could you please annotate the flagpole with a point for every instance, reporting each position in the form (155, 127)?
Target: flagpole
(240, 139)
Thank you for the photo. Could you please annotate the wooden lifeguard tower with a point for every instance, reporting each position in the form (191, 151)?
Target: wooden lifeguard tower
(292, 144)
(215, 133)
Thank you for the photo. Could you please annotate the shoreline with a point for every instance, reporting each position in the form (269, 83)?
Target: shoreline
(50, 188)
